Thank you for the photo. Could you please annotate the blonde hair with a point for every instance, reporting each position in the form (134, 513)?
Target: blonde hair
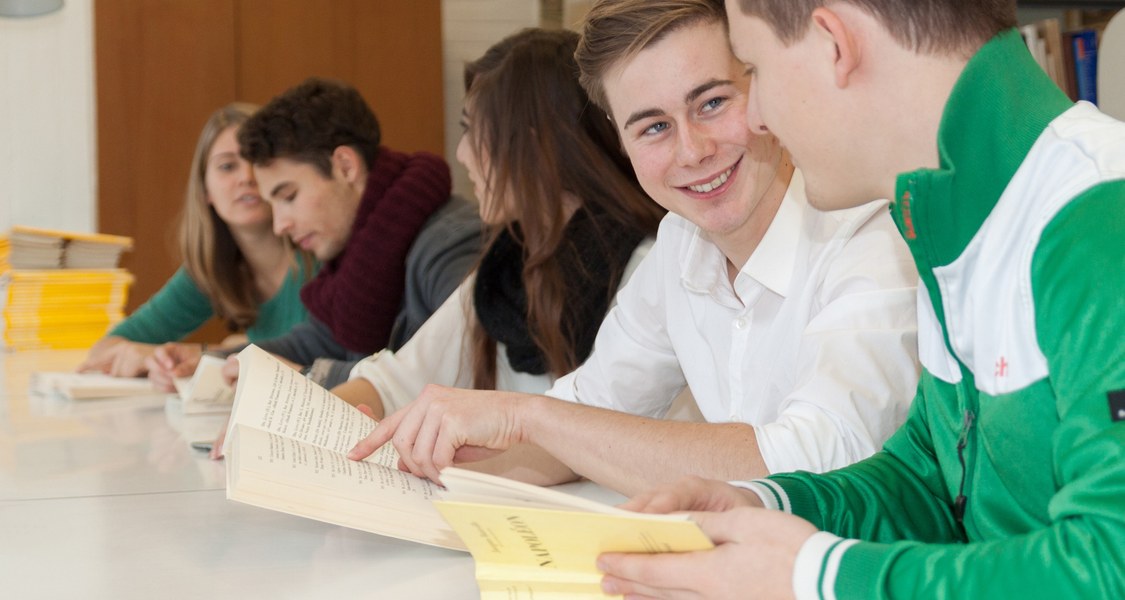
(211, 257)
(617, 30)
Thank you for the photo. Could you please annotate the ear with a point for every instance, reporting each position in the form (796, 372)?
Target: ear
(831, 28)
(348, 162)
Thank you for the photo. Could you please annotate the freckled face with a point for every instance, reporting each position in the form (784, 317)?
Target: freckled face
(680, 108)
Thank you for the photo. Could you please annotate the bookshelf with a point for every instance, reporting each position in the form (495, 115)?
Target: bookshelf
(1064, 37)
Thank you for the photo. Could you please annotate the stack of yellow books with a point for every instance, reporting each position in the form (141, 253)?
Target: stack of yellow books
(60, 289)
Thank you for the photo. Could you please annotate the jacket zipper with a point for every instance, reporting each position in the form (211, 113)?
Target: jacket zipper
(960, 504)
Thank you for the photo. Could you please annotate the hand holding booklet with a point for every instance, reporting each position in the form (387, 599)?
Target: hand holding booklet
(535, 543)
(286, 449)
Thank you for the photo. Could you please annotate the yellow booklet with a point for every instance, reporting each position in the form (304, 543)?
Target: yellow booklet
(536, 543)
(37, 248)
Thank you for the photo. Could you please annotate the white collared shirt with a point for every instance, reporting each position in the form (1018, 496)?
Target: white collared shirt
(814, 344)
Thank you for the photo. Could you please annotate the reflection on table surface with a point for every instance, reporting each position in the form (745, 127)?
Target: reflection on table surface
(107, 499)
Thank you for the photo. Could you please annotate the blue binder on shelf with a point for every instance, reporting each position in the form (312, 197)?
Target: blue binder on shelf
(1085, 49)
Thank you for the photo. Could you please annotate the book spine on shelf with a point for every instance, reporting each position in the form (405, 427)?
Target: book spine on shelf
(1085, 48)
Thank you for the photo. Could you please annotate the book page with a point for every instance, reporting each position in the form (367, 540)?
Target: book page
(205, 391)
(275, 398)
(470, 486)
(272, 471)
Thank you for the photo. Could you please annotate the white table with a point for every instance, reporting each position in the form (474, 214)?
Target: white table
(106, 499)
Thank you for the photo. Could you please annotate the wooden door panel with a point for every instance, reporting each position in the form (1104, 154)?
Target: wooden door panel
(162, 67)
(389, 49)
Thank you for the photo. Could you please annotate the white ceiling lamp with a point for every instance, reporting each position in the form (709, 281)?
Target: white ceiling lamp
(28, 8)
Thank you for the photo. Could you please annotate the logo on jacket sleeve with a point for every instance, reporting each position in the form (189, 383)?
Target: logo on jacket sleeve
(1116, 405)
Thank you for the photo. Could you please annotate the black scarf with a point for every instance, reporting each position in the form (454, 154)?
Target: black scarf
(592, 256)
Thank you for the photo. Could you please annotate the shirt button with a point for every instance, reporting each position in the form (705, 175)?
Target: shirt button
(740, 323)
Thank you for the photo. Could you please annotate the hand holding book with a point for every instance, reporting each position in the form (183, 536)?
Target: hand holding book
(285, 450)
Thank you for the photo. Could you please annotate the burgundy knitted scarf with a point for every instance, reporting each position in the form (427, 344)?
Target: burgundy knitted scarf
(358, 293)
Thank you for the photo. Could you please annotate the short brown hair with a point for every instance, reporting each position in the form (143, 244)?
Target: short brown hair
(307, 122)
(924, 26)
(615, 30)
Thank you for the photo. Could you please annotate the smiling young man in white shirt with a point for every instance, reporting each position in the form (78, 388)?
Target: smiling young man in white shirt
(793, 328)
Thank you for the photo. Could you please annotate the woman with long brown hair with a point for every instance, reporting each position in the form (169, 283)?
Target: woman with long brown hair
(234, 267)
(566, 221)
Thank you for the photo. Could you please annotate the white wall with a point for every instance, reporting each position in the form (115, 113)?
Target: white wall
(469, 27)
(48, 173)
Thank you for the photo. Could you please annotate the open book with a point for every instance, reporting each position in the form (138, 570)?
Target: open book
(286, 446)
(89, 386)
(203, 392)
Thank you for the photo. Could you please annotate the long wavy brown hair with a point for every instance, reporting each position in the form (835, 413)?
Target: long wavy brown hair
(211, 257)
(533, 123)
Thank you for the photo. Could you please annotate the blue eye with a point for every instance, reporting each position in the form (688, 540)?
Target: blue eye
(713, 103)
(655, 128)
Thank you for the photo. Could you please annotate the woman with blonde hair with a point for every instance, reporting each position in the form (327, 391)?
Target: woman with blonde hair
(235, 267)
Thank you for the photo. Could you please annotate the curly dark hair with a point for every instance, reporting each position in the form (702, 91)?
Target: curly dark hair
(307, 122)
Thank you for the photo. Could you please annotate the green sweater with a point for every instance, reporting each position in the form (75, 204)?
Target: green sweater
(180, 308)
(1019, 237)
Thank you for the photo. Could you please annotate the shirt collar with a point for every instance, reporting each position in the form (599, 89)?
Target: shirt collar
(771, 264)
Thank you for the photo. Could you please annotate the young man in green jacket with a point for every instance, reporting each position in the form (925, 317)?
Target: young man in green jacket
(1008, 478)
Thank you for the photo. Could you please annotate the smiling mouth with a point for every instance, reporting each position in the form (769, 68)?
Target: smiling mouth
(715, 183)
